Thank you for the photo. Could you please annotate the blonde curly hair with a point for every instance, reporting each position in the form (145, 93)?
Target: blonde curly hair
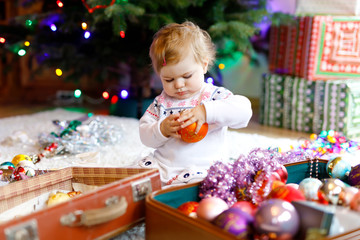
(174, 41)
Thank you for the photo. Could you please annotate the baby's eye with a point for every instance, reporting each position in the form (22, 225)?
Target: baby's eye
(169, 80)
(188, 76)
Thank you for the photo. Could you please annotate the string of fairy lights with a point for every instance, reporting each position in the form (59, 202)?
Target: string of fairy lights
(21, 48)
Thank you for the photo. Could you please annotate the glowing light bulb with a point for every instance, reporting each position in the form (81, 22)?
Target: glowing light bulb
(53, 27)
(2, 40)
(21, 52)
(86, 34)
(124, 94)
(210, 80)
(122, 34)
(27, 43)
(77, 93)
(105, 95)
(221, 66)
(59, 3)
(58, 72)
(84, 25)
(114, 99)
(28, 23)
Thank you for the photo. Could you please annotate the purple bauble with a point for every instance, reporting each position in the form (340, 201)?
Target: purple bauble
(354, 176)
(278, 218)
(234, 221)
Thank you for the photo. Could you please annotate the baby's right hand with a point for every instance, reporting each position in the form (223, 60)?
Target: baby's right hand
(169, 127)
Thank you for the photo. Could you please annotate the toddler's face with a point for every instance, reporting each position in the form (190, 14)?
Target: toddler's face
(183, 79)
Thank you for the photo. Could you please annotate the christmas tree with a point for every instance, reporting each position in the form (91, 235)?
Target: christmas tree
(95, 37)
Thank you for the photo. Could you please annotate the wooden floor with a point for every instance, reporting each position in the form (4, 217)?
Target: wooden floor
(254, 127)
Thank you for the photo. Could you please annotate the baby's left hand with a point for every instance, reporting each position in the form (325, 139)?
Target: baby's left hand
(196, 114)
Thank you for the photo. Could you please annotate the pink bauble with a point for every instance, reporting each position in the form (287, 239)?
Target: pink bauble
(210, 208)
(245, 206)
(281, 174)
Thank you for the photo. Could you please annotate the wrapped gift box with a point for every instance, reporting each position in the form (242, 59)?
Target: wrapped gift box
(164, 221)
(311, 106)
(327, 47)
(329, 7)
(339, 107)
(115, 204)
(271, 100)
(299, 105)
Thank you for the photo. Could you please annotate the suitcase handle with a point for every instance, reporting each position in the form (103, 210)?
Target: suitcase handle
(114, 208)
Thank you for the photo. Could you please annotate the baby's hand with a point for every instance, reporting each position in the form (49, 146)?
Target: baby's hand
(196, 114)
(170, 126)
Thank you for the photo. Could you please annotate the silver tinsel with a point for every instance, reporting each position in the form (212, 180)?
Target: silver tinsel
(82, 136)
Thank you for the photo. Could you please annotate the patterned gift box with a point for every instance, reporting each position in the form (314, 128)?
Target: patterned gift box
(311, 106)
(299, 94)
(330, 7)
(334, 51)
(326, 47)
(271, 101)
(341, 108)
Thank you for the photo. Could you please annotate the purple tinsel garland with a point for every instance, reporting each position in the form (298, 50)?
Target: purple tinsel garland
(248, 174)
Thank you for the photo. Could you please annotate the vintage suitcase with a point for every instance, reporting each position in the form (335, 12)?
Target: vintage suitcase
(164, 221)
(117, 204)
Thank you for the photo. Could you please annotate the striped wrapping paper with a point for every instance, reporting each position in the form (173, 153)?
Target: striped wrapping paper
(299, 104)
(271, 101)
(311, 106)
(341, 111)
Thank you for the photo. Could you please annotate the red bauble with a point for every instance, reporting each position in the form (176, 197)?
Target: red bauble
(189, 208)
(245, 206)
(281, 174)
(188, 134)
(286, 193)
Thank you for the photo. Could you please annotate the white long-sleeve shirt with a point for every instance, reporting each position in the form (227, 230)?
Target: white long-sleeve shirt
(223, 110)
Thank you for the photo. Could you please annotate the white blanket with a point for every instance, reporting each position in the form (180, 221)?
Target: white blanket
(19, 135)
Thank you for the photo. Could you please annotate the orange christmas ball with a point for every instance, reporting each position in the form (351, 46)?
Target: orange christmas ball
(188, 134)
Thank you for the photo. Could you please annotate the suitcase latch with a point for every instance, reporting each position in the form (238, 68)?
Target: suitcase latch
(27, 230)
(141, 188)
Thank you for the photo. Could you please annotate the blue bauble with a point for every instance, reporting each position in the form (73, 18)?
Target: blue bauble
(338, 168)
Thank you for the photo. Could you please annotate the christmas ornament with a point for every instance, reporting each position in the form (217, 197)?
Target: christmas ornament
(19, 174)
(347, 195)
(188, 134)
(20, 157)
(245, 206)
(330, 190)
(270, 219)
(56, 198)
(286, 193)
(29, 168)
(189, 208)
(92, 9)
(355, 202)
(338, 168)
(281, 174)
(310, 187)
(234, 221)
(210, 208)
(7, 165)
(354, 176)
